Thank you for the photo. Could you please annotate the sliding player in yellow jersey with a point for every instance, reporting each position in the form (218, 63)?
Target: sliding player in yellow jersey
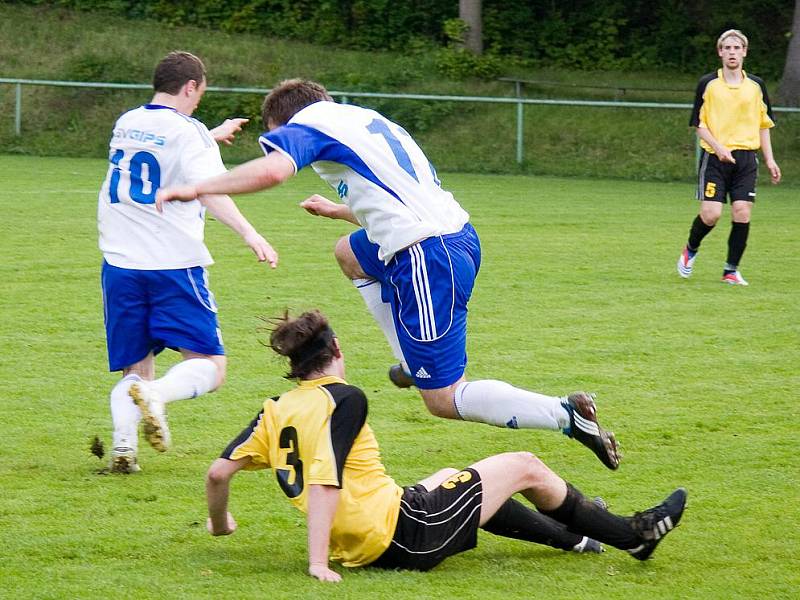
(325, 457)
(733, 117)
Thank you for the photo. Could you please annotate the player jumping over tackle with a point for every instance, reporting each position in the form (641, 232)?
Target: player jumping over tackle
(414, 261)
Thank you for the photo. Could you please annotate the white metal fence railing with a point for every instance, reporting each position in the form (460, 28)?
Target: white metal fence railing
(517, 100)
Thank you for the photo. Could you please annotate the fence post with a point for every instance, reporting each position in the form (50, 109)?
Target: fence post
(18, 111)
(518, 86)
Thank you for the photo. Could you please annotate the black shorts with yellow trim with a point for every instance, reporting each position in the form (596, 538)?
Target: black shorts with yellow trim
(433, 525)
(717, 180)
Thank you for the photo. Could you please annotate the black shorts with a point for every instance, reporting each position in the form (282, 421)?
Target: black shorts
(435, 524)
(717, 180)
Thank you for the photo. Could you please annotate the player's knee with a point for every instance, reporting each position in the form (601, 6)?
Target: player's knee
(711, 216)
(531, 466)
(440, 403)
(221, 374)
(741, 215)
(342, 251)
(222, 370)
(437, 410)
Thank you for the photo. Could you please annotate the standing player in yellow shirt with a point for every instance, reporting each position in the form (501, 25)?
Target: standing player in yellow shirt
(733, 117)
(326, 460)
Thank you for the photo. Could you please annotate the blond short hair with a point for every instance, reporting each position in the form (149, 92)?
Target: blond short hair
(731, 33)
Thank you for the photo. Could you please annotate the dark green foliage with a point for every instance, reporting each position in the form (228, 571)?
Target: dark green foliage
(457, 62)
(216, 107)
(582, 34)
(106, 65)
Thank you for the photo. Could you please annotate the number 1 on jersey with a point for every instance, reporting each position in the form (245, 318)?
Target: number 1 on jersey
(401, 156)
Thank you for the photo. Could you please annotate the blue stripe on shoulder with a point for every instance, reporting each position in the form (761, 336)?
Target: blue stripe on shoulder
(306, 145)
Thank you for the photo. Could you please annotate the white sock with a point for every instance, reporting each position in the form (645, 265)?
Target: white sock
(125, 414)
(501, 404)
(370, 290)
(187, 379)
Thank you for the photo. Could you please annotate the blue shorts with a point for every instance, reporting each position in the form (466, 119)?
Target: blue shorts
(428, 286)
(147, 311)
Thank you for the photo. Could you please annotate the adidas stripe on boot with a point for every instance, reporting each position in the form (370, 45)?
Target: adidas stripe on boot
(686, 262)
(654, 524)
(583, 426)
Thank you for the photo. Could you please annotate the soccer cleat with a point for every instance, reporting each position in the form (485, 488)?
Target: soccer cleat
(123, 460)
(686, 262)
(653, 524)
(734, 278)
(583, 426)
(588, 545)
(400, 377)
(154, 418)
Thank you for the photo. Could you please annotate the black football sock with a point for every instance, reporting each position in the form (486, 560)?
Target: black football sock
(698, 231)
(737, 242)
(515, 520)
(584, 517)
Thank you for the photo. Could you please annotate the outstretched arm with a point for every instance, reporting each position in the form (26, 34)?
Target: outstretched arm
(227, 130)
(218, 480)
(258, 174)
(225, 210)
(322, 502)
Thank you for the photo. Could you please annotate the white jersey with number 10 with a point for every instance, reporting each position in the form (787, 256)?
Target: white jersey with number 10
(151, 147)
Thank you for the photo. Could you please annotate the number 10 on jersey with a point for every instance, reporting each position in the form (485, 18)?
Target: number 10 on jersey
(145, 177)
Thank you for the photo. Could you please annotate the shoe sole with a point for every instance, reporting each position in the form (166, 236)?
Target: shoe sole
(585, 409)
(153, 428)
(729, 282)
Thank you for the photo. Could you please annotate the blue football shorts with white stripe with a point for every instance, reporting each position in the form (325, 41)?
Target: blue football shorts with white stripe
(428, 286)
(149, 310)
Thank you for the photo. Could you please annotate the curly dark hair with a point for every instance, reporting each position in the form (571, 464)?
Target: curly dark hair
(306, 340)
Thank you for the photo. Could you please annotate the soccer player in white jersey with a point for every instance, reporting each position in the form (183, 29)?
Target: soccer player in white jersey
(154, 279)
(414, 260)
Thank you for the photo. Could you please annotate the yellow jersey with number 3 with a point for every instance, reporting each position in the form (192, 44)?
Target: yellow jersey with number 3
(317, 434)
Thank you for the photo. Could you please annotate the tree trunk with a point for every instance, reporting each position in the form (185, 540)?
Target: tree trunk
(469, 11)
(789, 90)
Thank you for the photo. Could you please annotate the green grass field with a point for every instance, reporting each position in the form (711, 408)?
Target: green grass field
(577, 290)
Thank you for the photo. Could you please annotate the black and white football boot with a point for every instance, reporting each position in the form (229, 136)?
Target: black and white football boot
(655, 523)
(583, 426)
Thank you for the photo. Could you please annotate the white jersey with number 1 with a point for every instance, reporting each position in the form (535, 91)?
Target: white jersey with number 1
(376, 168)
(155, 146)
